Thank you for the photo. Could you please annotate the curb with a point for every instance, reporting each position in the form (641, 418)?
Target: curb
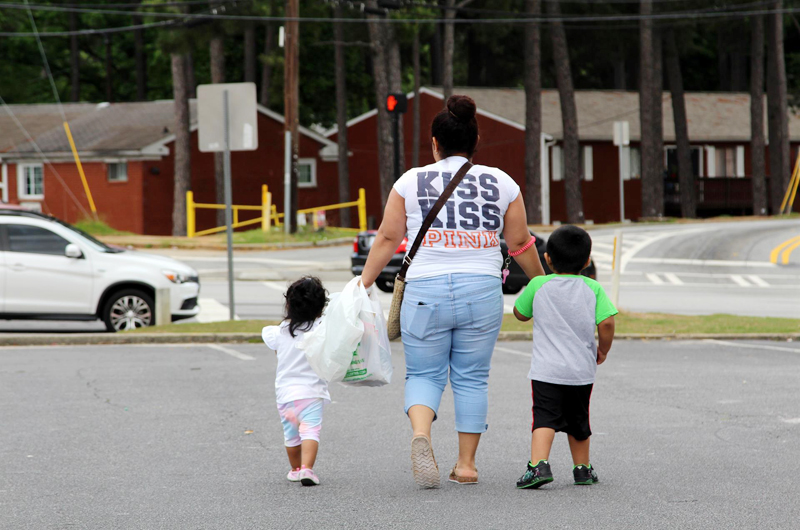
(241, 246)
(88, 339)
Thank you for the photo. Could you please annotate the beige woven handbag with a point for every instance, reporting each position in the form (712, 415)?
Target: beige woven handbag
(393, 324)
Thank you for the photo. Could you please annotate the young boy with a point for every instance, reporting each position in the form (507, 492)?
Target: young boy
(565, 307)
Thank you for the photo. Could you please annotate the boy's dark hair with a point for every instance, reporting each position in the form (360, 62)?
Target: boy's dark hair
(569, 247)
(305, 300)
(455, 127)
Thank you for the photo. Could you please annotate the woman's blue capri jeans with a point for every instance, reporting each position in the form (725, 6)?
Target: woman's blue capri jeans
(450, 325)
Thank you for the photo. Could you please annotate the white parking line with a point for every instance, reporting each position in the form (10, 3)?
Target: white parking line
(741, 281)
(673, 279)
(231, 352)
(278, 286)
(509, 350)
(213, 311)
(753, 346)
(757, 280)
(654, 278)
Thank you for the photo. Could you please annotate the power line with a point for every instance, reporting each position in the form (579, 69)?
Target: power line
(683, 15)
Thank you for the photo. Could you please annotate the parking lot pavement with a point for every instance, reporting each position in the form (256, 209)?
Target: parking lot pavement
(686, 434)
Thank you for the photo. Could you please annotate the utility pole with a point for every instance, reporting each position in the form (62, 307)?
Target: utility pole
(290, 98)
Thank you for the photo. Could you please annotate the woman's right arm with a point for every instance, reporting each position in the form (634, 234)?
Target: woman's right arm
(516, 234)
(390, 235)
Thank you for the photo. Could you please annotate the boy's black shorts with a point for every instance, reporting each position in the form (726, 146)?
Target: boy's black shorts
(563, 408)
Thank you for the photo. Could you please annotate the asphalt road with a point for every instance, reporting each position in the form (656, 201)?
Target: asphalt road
(706, 268)
(686, 434)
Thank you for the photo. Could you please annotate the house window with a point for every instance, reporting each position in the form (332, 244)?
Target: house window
(307, 173)
(31, 181)
(118, 172)
(631, 163)
(588, 162)
(558, 163)
(725, 161)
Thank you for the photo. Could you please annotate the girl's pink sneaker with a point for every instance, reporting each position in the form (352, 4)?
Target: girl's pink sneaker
(308, 477)
(293, 476)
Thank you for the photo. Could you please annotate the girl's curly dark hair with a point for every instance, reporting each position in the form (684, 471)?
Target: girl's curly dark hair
(305, 300)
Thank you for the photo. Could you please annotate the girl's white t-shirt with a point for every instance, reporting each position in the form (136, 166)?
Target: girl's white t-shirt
(465, 238)
(294, 377)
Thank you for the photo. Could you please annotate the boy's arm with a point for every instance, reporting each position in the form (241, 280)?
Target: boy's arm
(520, 316)
(605, 335)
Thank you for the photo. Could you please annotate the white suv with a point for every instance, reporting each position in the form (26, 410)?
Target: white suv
(53, 271)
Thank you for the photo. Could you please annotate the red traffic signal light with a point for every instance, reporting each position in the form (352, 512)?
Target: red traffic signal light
(396, 103)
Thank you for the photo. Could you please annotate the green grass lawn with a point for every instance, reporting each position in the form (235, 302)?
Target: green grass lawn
(97, 227)
(636, 323)
(304, 234)
(663, 323)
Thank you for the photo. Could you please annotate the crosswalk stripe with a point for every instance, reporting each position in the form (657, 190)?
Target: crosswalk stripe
(757, 280)
(672, 278)
(654, 278)
(741, 281)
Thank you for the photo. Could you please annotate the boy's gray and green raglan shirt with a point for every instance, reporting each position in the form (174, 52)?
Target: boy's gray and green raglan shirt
(565, 310)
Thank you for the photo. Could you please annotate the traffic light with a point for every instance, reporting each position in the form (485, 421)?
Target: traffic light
(396, 103)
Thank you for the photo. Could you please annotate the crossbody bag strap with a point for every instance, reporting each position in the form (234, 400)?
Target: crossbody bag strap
(426, 224)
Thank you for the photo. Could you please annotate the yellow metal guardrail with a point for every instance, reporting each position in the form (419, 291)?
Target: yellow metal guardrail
(791, 190)
(269, 213)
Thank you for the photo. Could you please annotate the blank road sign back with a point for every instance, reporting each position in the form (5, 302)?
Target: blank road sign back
(242, 117)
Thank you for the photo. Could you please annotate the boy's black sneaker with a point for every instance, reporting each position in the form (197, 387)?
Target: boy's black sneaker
(584, 475)
(536, 476)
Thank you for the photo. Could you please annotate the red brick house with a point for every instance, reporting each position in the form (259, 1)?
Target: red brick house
(127, 154)
(719, 130)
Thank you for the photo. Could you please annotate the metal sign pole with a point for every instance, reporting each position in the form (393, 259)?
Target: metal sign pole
(621, 187)
(396, 134)
(228, 202)
(287, 181)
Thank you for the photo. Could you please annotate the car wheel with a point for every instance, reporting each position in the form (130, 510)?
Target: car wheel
(129, 309)
(511, 288)
(387, 286)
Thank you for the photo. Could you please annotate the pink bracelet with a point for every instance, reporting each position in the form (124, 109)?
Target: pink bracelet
(528, 245)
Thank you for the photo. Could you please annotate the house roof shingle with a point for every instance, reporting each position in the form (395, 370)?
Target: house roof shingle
(711, 116)
(37, 120)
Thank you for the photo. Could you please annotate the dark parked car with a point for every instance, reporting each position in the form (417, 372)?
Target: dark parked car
(385, 282)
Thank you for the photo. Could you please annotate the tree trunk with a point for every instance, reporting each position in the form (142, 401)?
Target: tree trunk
(620, 71)
(250, 53)
(533, 115)
(449, 44)
(341, 115)
(757, 155)
(109, 70)
(141, 61)
(436, 56)
(191, 81)
(291, 61)
(74, 60)
(777, 106)
(416, 110)
(266, 65)
(658, 121)
(217, 57)
(686, 177)
(569, 117)
(183, 150)
(381, 81)
(649, 159)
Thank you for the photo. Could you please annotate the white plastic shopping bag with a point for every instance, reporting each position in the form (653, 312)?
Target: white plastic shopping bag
(329, 348)
(371, 363)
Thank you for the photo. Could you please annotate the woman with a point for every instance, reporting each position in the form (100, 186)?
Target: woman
(453, 304)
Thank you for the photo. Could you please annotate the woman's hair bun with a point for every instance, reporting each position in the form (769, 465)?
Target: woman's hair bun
(462, 108)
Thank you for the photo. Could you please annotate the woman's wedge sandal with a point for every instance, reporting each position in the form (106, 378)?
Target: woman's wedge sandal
(458, 479)
(423, 463)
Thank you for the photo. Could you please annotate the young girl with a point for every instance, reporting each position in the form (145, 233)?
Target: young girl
(300, 393)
